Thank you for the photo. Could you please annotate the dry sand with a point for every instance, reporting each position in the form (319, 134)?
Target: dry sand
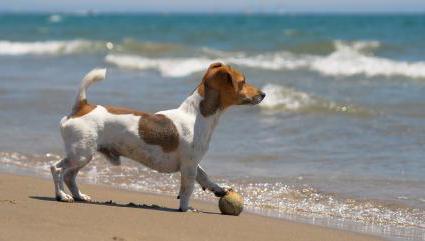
(28, 211)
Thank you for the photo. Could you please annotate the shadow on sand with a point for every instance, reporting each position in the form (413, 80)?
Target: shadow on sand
(122, 205)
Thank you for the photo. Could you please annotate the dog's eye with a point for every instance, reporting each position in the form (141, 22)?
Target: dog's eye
(228, 78)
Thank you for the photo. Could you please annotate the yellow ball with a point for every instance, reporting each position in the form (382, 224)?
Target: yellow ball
(231, 203)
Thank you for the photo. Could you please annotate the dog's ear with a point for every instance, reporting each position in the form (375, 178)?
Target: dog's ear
(215, 65)
(227, 76)
(211, 102)
(211, 71)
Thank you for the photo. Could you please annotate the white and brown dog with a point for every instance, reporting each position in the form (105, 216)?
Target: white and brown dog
(167, 141)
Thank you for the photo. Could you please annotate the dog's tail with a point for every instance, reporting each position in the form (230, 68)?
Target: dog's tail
(93, 76)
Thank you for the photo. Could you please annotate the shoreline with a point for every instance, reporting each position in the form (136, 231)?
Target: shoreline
(30, 212)
(156, 183)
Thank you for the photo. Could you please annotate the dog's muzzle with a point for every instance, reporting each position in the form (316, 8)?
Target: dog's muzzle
(253, 100)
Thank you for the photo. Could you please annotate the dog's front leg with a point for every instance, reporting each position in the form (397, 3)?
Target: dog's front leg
(188, 176)
(203, 180)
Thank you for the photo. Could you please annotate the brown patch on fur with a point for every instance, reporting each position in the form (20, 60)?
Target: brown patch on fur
(159, 130)
(210, 104)
(124, 111)
(153, 129)
(111, 154)
(82, 108)
(223, 86)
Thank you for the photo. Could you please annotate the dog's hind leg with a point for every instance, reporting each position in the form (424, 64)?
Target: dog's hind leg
(111, 155)
(57, 170)
(70, 175)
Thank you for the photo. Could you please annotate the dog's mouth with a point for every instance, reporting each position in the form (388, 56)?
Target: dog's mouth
(255, 100)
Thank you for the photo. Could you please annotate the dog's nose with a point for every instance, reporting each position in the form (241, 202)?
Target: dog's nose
(262, 94)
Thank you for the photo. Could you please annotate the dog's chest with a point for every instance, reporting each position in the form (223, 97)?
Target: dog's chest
(195, 134)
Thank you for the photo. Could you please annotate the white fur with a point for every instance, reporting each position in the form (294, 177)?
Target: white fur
(84, 135)
(90, 78)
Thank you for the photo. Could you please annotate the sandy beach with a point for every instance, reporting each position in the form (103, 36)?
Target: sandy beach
(30, 212)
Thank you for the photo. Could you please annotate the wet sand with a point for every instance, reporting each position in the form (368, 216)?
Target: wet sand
(29, 212)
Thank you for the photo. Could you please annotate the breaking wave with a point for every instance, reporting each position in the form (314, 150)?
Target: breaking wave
(61, 47)
(280, 98)
(48, 47)
(167, 66)
(348, 59)
(184, 66)
(55, 18)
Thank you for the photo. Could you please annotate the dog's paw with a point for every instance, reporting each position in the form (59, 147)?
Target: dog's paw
(63, 197)
(221, 191)
(83, 198)
(189, 209)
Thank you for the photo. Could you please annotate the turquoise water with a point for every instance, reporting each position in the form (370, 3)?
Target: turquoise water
(340, 136)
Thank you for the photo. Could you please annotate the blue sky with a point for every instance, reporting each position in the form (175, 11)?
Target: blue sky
(216, 5)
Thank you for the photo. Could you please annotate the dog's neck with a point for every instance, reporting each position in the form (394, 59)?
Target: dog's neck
(203, 125)
(192, 106)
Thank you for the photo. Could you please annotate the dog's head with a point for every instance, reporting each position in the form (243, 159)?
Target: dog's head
(224, 86)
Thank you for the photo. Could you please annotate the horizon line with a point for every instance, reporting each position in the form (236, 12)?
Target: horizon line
(199, 12)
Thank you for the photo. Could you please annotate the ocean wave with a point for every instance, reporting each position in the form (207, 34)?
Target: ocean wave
(58, 47)
(55, 18)
(182, 66)
(280, 98)
(49, 47)
(348, 59)
(327, 47)
(169, 67)
(132, 46)
(361, 46)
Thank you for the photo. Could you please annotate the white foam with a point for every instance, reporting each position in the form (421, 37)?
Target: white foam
(179, 67)
(55, 18)
(43, 48)
(280, 98)
(169, 67)
(348, 59)
(361, 46)
(273, 61)
(284, 98)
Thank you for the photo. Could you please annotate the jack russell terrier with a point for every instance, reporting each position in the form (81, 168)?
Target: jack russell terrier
(167, 141)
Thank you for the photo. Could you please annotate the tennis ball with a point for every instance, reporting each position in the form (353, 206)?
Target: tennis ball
(231, 203)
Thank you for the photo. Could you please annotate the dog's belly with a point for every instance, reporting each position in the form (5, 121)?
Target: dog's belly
(149, 155)
(153, 157)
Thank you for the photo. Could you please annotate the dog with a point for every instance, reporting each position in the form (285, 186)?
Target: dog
(167, 141)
